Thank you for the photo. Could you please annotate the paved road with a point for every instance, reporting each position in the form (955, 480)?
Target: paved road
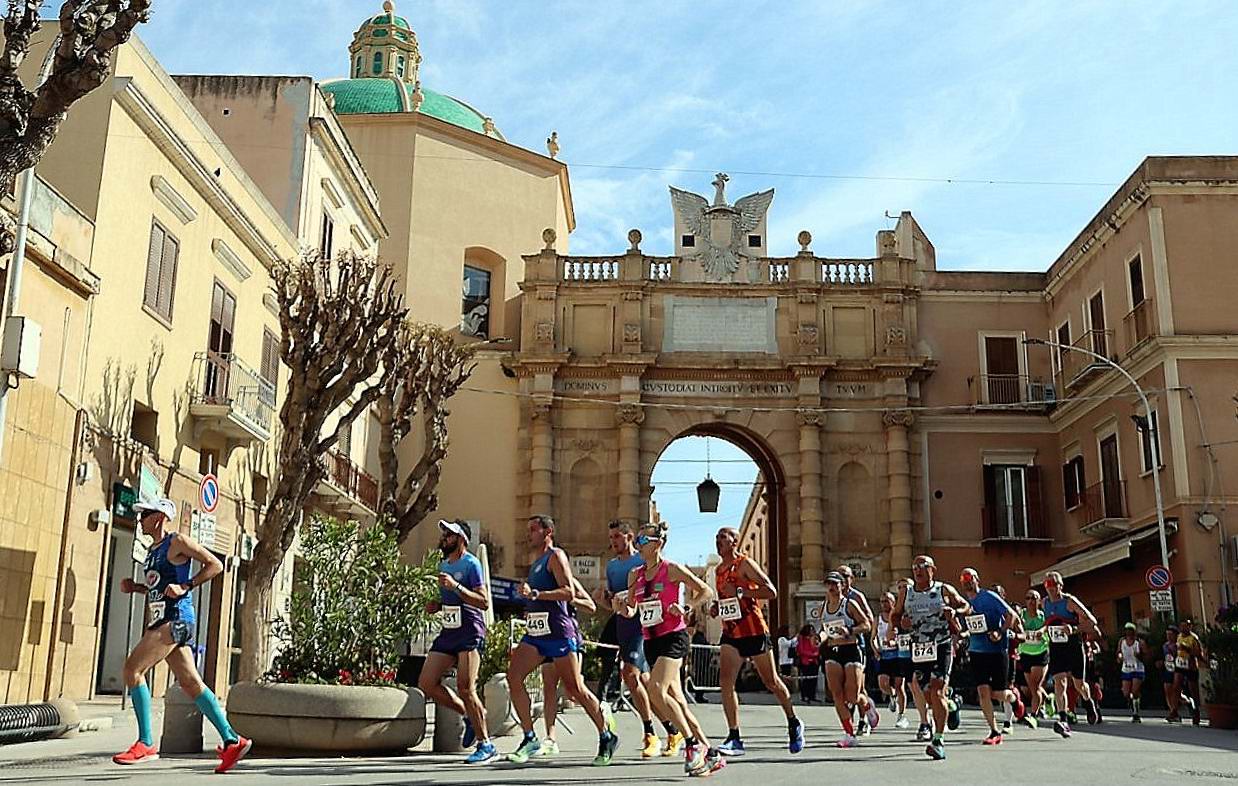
(1116, 752)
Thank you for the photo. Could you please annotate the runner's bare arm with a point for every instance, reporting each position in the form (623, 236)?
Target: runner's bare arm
(856, 611)
(751, 571)
(561, 569)
(478, 597)
(1085, 615)
(186, 546)
(698, 591)
(897, 613)
(582, 599)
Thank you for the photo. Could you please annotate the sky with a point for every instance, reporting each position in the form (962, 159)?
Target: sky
(1003, 127)
(680, 468)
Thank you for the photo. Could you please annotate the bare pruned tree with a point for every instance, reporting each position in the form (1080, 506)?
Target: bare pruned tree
(90, 31)
(430, 366)
(340, 318)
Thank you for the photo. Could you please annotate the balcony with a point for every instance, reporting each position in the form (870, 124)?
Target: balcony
(1102, 509)
(1140, 324)
(347, 490)
(1011, 392)
(1013, 523)
(230, 400)
(1078, 367)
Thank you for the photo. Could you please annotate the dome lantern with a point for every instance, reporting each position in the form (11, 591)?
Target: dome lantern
(385, 46)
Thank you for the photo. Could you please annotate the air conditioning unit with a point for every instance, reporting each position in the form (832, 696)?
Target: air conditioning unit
(1041, 393)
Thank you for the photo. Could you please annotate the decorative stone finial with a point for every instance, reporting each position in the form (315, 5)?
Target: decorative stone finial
(487, 126)
(804, 238)
(418, 97)
(552, 144)
(719, 185)
(548, 236)
(634, 237)
(389, 6)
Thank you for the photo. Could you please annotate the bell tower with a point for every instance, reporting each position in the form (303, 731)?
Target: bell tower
(385, 46)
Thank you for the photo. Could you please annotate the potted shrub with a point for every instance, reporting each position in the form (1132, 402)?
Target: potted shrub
(332, 686)
(492, 674)
(1221, 695)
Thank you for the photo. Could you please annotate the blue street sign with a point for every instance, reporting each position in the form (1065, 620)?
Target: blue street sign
(208, 493)
(504, 589)
(1159, 577)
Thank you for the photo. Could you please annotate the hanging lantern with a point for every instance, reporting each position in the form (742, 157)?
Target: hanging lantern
(707, 492)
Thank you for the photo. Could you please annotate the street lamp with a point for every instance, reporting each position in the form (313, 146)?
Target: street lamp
(1153, 430)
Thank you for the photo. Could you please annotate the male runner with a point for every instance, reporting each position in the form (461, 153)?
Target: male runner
(169, 632)
(1186, 672)
(988, 627)
(850, 592)
(892, 660)
(625, 633)
(550, 679)
(549, 634)
(1131, 653)
(928, 609)
(741, 585)
(1064, 614)
(463, 599)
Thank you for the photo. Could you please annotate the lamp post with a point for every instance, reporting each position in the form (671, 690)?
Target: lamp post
(1153, 430)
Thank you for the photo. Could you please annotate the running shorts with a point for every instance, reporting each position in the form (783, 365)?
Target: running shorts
(990, 668)
(938, 669)
(844, 655)
(675, 645)
(1067, 658)
(1127, 676)
(1027, 662)
(180, 630)
(748, 646)
(552, 647)
(451, 642)
(632, 651)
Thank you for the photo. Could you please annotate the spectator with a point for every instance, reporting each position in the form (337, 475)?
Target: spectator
(786, 651)
(807, 651)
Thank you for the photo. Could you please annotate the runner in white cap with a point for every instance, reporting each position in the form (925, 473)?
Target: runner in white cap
(1131, 655)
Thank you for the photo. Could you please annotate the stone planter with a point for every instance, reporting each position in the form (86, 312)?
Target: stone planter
(338, 718)
(497, 699)
(1222, 716)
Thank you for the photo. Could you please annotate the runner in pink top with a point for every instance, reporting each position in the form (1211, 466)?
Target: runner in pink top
(668, 593)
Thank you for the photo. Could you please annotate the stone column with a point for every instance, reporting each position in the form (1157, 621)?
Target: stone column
(629, 417)
(541, 464)
(898, 425)
(812, 525)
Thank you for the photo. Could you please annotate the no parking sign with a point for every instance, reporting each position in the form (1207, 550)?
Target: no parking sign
(208, 493)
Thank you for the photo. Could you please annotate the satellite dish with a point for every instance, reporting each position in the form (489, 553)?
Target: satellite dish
(1207, 519)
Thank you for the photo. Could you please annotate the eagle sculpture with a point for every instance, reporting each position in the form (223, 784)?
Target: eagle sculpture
(720, 256)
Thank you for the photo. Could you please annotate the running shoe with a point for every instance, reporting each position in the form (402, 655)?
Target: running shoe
(548, 749)
(1061, 728)
(714, 761)
(1136, 719)
(893, 704)
(138, 753)
(1073, 718)
(1089, 707)
(1007, 727)
(1020, 709)
(231, 753)
(650, 746)
(611, 724)
(861, 728)
(1029, 720)
(936, 750)
(847, 741)
(902, 722)
(872, 716)
(528, 748)
(468, 738)
(484, 753)
(955, 717)
(924, 733)
(694, 759)
(674, 745)
(994, 738)
(1173, 718)
(606, 749)
(731, 747)
(796, 733)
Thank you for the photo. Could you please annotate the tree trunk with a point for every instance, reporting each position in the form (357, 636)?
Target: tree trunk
(255, 616)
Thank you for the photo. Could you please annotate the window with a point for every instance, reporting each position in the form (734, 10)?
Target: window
(754, 241)
(1122, 611)
(1096, 321)
(1135, 268)
(475, 311)
(1073, 481)
(219, 345)
(378, 63)
(1001, 370)
(270, 366)
(161, 257)
(208, 461)
(327, 237)
(144, 428)
(360, 65)
(1113, 496)
(1149, 441)
(688, 241)
(1010, 491)
(344, 446)
(1063, 338)
(399, 67)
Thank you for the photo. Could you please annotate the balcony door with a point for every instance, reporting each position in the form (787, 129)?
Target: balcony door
(1096, 318)
(1110, 477)
(219, 343)
(1009, 490)
(1002, 369)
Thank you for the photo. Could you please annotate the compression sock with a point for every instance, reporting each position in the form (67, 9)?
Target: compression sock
(141, 708)
(211, 710)
(649, 727)
(733, 734)
(670, 727)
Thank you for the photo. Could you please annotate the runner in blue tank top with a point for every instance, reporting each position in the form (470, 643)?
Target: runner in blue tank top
(168, 588)
(1067, 621)
(550, 634)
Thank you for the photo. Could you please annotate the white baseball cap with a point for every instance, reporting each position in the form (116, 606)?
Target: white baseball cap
(163, 505)
(460, 528)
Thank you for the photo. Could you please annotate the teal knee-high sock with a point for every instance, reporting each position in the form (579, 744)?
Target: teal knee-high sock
(140, 694)
(209, 705)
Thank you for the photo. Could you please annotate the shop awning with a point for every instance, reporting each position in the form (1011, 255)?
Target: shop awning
(1102, 555)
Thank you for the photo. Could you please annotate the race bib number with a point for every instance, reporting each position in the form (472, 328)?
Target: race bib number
(1130, 666)
(924, 652)
(729, 610)
(450, 617)
(976, 623)
(1183, 662)
(156, 610)
(903, 641)
(1058, 634)
(835, 630)
(537, 623)
(650, 613)
(1035, 635)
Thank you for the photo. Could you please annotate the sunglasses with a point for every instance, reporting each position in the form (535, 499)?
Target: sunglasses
(644, 540)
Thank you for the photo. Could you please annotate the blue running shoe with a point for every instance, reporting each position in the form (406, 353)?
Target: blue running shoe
(731, 747)
(469, 737)
(936, 750)
(484, 753)
(797, 736)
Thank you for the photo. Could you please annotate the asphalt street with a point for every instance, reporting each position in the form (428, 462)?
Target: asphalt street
(1115, 752)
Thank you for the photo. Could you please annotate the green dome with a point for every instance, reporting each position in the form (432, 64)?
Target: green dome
(390, 19)
(380, 96)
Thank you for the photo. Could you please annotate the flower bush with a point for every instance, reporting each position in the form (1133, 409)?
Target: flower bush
(354, 602)
(1221, 642)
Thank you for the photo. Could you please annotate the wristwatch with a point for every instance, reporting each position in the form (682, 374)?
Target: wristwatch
(533, 594)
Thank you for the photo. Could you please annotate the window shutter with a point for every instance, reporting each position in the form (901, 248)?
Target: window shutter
(270, 357)
(1035, 522)
(1069, 489)
(990, 500)
(154, 254)
(167, 276)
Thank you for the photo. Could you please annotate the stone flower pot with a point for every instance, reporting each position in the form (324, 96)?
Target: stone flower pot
(1222, 716)
(498, 702)
(327, 718)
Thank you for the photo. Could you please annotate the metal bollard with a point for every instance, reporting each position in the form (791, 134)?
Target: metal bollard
(448, 725)
(182, 723)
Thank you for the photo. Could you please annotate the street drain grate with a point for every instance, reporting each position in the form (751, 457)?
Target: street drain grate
(55, 763)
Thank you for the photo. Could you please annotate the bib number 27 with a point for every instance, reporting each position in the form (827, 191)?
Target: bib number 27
(650, 613)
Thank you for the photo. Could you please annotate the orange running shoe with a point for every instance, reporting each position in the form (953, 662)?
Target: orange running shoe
(138, 752)
(229, 755)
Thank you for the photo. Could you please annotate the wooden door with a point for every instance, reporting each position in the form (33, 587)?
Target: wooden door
(1096, 311)
(1111, 481)
(1002, 365)
(219, 342)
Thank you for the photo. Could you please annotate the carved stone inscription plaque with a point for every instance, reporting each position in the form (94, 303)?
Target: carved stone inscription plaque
(706, 324)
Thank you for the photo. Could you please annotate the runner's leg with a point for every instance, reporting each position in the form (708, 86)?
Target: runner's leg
(729, 663)
(836, 679)
(550, 699)
(768, 672)
(568, 670)
(180, 661)
(525, 658)
(154, 646)
(431, 681)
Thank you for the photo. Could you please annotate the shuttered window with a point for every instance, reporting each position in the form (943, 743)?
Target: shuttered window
(161, 259)
(270, 364)
(1073, 482)
(327, 241)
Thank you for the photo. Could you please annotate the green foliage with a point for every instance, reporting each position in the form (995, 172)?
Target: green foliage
(1221, 643)
(499, 639)
(355, 602)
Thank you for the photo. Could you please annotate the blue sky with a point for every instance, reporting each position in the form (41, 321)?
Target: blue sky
(852, 109)
(675, 477)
